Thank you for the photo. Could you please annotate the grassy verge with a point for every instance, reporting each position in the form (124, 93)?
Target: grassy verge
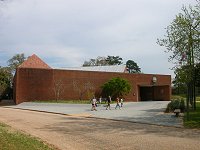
(194, 118)
(69, 101)
(64, 101)
(14, 140)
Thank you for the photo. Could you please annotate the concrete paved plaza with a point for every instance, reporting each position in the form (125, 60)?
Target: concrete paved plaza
(151, 112)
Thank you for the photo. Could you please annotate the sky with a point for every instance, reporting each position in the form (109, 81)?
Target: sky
(65, 33)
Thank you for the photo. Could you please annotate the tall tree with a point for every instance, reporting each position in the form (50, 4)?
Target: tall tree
(197, 75)
(183, 36)
(15, 61)
(6, 75)
(180, 80)
(183, 40)
(132, 67)
(5, 82)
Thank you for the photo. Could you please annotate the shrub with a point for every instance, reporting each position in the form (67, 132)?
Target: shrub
(176, 104)
(182, 105)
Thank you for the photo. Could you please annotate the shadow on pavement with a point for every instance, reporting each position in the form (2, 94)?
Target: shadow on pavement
(83, 126)
(7, 102)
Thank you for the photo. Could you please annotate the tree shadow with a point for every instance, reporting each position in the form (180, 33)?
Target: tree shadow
(7, 102)
(86, 126)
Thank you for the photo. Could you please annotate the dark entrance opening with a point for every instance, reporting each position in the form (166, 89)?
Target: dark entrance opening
(146, 93)
(154, 93)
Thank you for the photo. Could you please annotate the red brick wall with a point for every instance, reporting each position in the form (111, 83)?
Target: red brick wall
(40, 84)
(33, 84)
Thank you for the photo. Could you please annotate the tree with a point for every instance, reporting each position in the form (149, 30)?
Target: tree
(183, 40)
(180, 80)
(183, 36)
(103, 61)
(15, 61)
(83, 88)
(7, 73)
(197, 75)
(132, 67)
(116, 87)
(99, 61)
(114, 60)
(58, 88)
(5, 82)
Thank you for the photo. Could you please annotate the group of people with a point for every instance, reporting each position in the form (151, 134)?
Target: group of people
(119, 103)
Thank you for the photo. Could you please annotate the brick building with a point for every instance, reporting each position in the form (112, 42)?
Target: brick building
(35, 80)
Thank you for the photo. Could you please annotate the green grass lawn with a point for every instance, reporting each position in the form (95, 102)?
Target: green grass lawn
(194, 117)
(198, 98)
(178, 97)
(11, 139)
(183, 97)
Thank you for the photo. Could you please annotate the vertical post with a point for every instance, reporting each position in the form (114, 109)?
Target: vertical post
(187, 101)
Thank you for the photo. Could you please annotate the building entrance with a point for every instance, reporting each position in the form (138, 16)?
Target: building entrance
(146, 93)
(153, 93)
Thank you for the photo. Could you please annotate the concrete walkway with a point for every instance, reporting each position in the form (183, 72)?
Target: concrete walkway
(150, 112)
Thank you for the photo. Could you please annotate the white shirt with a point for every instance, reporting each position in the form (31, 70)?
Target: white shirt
(94, 101)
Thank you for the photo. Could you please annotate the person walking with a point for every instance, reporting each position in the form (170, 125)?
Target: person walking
(100, 100)
(94, 101)
(121, 101)
(117, 105)
(109, 101)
